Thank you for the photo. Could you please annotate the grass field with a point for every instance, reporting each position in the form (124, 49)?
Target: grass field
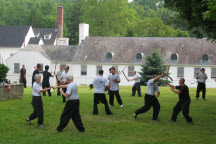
(119, 128)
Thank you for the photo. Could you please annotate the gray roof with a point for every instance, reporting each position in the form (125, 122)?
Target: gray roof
(125, 49)
(13, 36)
(46, 31)
(34, 40)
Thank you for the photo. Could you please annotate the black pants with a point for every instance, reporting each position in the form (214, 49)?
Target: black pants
(136, 87)
(58, 92)
(46, 85)
(38, 109)
(118, 97)
(100, 98)
(23, 80)
(149, 102)
(182, 105)
(63, 98)
(201, 87)
(71, 111)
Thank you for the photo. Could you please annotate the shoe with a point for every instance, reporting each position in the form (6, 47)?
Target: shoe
(41, 125)
(121, 106)
(109, 113)
(28, 121)
(82, 131)
(196, 98)
(95, 113)
(58, 130)
(132, 95)
(135, 115)
(204, 99)
(156, 119)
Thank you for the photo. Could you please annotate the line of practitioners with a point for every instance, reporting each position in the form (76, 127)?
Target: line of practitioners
(71, 109)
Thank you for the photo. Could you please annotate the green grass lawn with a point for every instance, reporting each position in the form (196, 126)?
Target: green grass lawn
(119, 128)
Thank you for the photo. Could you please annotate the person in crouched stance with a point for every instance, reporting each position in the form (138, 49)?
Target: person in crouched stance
(71, 109)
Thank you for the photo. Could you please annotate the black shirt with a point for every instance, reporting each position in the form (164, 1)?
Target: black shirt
(23, 72)
(46, 76)
(184, 95)
(34, 73)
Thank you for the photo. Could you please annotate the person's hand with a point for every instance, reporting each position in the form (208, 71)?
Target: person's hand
(158, 94)
(115, 80)
(163, 73)
(61, 91)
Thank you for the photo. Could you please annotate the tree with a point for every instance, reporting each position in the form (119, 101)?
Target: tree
(154, 65)
(3, 72)
(199, 15)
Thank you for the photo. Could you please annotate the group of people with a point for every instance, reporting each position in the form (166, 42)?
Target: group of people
(69, 91)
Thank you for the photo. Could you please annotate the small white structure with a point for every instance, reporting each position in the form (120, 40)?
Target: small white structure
(83, 32)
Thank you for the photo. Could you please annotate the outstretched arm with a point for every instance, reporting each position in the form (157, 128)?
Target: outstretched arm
(172, 86)
(158, 77)
(61, 86)
(64, 94)
(175, 91)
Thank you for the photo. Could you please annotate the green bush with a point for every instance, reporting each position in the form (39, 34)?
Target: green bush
(3, 72)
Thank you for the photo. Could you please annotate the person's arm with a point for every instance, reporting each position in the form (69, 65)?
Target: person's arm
(117, 80)
(43, 90)
(197, 76)
(206, 77)
(158, 92)
(50, 74)
(175, 91)
(158, 77)
(61, 86)
(172, 86)
(64, 94)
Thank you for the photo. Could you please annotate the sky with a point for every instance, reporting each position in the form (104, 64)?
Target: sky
(130, 0)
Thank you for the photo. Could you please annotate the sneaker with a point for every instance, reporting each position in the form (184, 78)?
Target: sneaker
(135, 115)
(41, 125)
(121, 106)
(204, 99)
(196, 98)
(28, 121)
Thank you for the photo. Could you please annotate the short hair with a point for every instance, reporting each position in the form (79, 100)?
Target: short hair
(38, 65)
(101, 72)
(46, 67)
(109, 69)
(69, 76)
(36, 77)
(112, 68)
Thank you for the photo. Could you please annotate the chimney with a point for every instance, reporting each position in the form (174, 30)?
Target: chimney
(59, 23)
(83, 32)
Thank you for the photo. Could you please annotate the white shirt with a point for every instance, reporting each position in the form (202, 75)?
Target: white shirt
(152, 87)
(137, 78)
(59, 73)
(72, 91)
(108, 76)
(63, 75)
(100, 83)
(114, 86)
(36, 89)
(201, 77)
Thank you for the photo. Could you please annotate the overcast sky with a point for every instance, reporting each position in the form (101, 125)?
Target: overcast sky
(130, 0)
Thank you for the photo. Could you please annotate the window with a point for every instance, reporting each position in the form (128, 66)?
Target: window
(174, 57)
(130, 70)
(46, 37)
(180, 72)
(98, 68)
(16, 67)
(116, 69)
(196, 70)
(205, 57)
(139, 56)
(213, 73)
(83, 70)
(11, 55)
(109, 55)
(41, 68)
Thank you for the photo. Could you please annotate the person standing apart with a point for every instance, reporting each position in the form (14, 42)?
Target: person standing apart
(71, 109)
(150, 98)
(36, 72)
(23, 75)
(37, 102)
(59, 78)
(114, 88)
(100, 83)
(45, 82)
(201, 86)
(136, 86)
(184, 101)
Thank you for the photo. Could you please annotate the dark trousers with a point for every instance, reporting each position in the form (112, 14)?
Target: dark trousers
(118, 97)
(182, 105)
(149, 102)
(38, 109)
(71, 111)
(46, 85)
(136, 87)
(23, 80)
(201, 87)
(58, 92)
(100, 98)
(63, 98)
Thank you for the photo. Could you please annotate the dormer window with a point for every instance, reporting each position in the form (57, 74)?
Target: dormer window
(47, 37)
(109, 55)
(205, 57)
(174, 57)
(139, 56)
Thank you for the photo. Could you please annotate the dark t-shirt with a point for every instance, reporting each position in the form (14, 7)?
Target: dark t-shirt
(34, 73)
(46, 76)
(23, 72)
(184, 95)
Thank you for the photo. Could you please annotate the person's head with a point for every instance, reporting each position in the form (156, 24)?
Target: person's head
(101, 72)
(67, 68)
(37, 78)
(23, 66)
(109, 70)
(46, 67)
(112, 70)
(181, 81)
(202, 70)
(39, 66)
(69, 78)
(60, 67)
(134, 72)
(154, 76)
(35, 67)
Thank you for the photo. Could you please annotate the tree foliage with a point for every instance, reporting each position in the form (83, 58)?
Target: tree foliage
(3, 72)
